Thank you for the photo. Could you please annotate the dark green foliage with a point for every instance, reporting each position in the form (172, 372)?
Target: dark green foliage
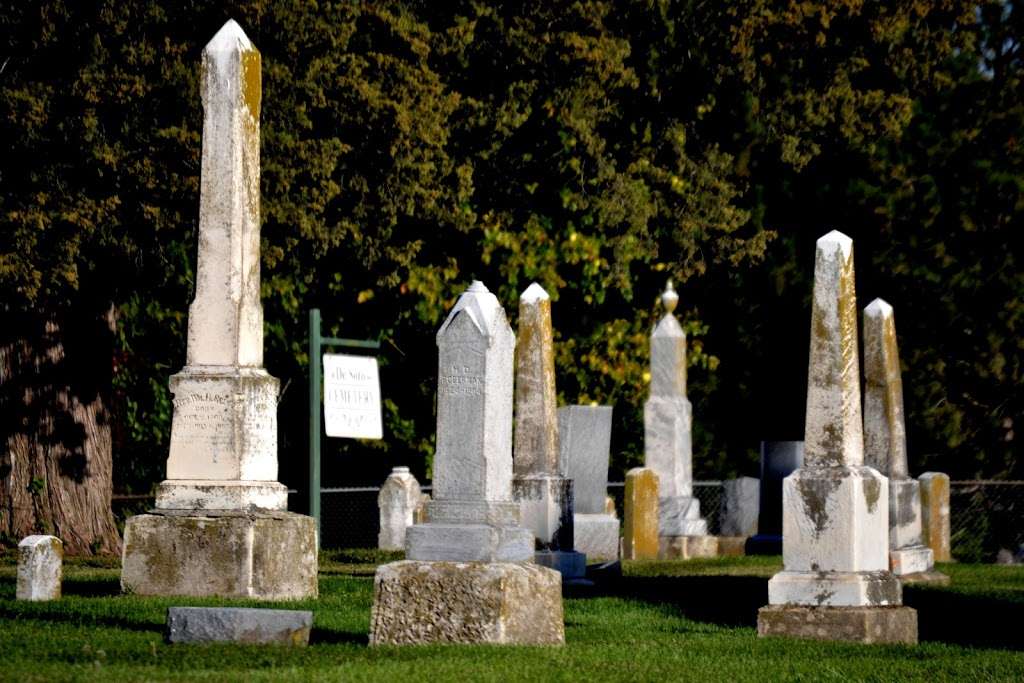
(597, 148)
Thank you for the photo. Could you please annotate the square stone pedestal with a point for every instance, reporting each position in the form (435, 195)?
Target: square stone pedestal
(466, 602)
(854, 624)
(596, 536)
(687, 547)
(269, 555)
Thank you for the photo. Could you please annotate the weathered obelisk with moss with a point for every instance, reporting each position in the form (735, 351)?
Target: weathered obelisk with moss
(836, 584)
(885, 446)
(220, 527)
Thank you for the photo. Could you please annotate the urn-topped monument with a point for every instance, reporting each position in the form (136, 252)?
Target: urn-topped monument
(220, 526)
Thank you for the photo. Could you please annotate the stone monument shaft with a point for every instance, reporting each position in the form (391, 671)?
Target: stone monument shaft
(536, 409)
(225, 325)
(885, 438)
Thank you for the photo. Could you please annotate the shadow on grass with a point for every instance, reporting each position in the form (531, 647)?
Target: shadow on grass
(57, 614)
(92, 588)
(321, 636)
(944, 614)
(977, 621)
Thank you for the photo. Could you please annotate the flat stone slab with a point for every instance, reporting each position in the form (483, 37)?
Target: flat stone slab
(238, 625)
(466, 602)
(854, 624)
(931, 578)
(267, 555)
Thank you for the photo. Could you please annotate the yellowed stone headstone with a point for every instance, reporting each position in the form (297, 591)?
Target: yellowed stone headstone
(640, 527)
(935, 514)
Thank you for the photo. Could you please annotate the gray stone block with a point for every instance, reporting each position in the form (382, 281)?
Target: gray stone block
(466, 602)
(585, 434)
(854, 624)
(268, 555)
(597, 536)
(740, 505)
(238, 625)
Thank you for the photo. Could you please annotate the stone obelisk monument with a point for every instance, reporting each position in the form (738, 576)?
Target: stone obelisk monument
(668, 418)
(470, 576)
(220, 525)
(544, 494)
(885, 446)
(836, 583)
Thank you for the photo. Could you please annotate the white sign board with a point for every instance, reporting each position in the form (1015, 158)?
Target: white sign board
(352, 397)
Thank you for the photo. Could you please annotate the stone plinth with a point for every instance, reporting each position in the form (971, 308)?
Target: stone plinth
(40, 568)
(740, 506)
(687, 547)
(265, 555)
(640, 519)
(935, 514)
(855, 624)
(597, 536)
(397, 502)
(238, 625)
(452, 602)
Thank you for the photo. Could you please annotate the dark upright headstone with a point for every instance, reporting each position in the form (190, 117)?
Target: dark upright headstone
(779, 459)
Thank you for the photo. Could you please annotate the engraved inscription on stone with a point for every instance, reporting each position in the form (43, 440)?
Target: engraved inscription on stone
(203, 419)
(259, 426)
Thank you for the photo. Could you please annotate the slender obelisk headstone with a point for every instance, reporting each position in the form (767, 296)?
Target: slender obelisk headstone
(585, 434)
(397, 502)
(40, 568)
(885, 445)
(935, 522)
(469, 577)
(668, 419)
(220, 526)
(640, 525)
(544, 494)
(836, 583)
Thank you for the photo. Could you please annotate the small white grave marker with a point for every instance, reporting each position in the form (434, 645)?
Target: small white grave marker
(352, 397)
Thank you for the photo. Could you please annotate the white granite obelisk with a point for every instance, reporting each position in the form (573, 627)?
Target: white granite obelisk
(668, 450)
(885, 444)
(539, 485)
(223, 452)
(836, 582)
(469, 576)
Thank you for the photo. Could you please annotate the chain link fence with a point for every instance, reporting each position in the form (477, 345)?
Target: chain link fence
(986, 517)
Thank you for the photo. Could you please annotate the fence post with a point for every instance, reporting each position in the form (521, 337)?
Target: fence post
(314, 417)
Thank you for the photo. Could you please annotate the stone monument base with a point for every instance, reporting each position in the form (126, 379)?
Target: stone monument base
(687, 547)
(854, 624)
(932, 578)
(570, 564)
(596, 536)
(913, 560)
(732, 546)
(271, 555)
(466, 602)
(190, 494)
(435, 541)
(835, 589)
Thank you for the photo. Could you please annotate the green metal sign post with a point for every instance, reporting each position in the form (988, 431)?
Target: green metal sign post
(316, 346)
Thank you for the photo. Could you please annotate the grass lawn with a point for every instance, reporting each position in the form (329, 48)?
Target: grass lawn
(662, 621)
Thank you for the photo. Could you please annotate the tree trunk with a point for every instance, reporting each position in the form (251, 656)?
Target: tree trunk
(56, 468)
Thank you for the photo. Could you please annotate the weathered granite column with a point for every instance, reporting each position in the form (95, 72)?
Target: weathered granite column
(544, 494)
(836, 584)
(667, 442)
(885, 446)
(220, 526)
(470, 576)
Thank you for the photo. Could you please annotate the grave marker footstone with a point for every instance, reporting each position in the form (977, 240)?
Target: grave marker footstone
(40, 568)
(836, 582)
(935, 525)
(220, 525)
(586, 433)
(640, 525)
(397, 502)
(470, 576)
(667, 440)
(885, 446)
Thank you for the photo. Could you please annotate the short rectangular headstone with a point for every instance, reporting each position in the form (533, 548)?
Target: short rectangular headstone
(935, 514)
(40, 566)
(640, 526)
(238, 625)
(742, 499)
